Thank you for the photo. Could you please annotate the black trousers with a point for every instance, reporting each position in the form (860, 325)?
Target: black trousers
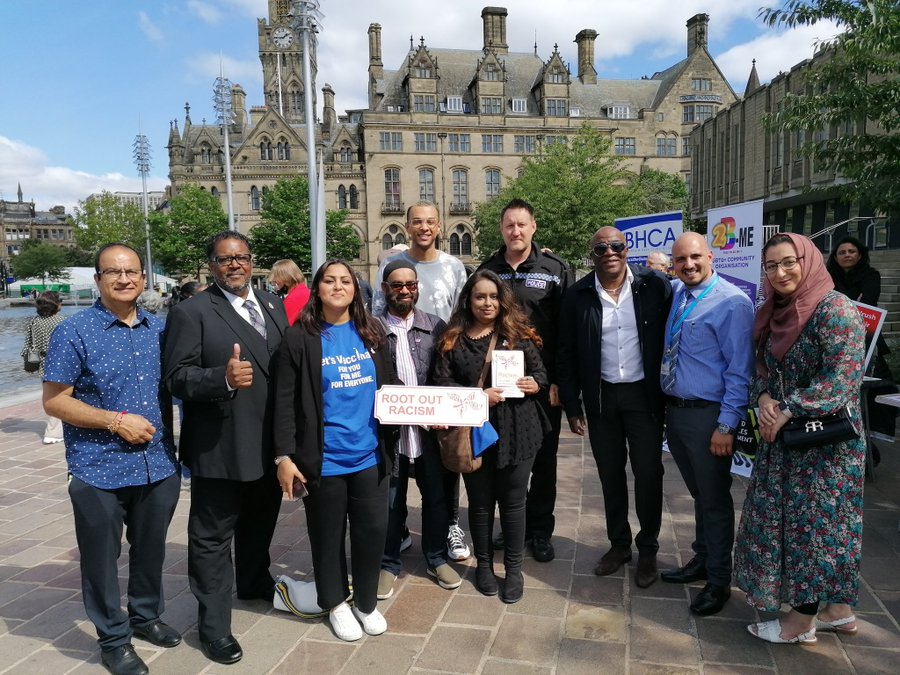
(430, 475)
(222, 510)
(541, 500)
(708, 478)
(627, 429)
(363, 498)
(145, 511)
(489, 487)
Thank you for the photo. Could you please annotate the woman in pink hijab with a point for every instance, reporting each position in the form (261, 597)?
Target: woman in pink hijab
(800, 536)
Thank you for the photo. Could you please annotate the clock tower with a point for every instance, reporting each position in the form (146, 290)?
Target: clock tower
(281, 55)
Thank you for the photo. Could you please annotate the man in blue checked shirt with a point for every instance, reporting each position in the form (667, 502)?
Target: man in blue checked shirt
(705, 375)
(102, 378)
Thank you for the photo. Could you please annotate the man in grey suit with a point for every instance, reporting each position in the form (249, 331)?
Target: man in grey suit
(217, 360)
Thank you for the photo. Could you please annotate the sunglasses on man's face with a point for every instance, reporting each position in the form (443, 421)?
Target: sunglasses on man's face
(400, 285)
(601, 248)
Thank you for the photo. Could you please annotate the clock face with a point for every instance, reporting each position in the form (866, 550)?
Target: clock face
(282, 37)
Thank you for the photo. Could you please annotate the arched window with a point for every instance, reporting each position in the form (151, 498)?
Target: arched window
(460, 189)
(254, 199)
(262, 150)
(387, 242)
(346, 154)
(295, 103)
(280, 151)
(214, 191)
(467, 244)
(454, 244)
(392, 237)
(205, 154)
(342, 197)
(392, 190)
(492, 183)
(426, 185)
(354, 198)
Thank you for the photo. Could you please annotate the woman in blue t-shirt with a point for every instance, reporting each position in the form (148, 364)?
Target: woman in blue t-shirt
(330, 448)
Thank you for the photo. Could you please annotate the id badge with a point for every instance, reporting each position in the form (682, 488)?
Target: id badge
(664, 369)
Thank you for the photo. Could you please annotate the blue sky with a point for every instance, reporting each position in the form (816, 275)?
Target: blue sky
(81, 78)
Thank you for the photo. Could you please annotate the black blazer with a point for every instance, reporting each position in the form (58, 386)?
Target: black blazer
(224, 434)
(580, 331)
(298, 419)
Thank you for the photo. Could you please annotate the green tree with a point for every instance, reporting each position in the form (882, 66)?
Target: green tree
(575, 188)
(854, 81)
(659, 191)
(179, 237)
(40, 260)
(105, 219)
(78, 257)
(284, 228)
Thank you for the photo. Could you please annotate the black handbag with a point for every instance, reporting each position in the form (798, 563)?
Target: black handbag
(800, 433)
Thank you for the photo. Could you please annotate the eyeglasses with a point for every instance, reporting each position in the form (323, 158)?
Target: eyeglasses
(113, 275)
(787, 264)
(225, 260)
(418, 222)
(400, 285)
(601, 248)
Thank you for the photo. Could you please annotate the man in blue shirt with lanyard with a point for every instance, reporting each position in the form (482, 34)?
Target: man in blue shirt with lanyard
(102, 378)
(705, 375)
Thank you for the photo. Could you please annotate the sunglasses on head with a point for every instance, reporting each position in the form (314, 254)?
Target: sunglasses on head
(603, 247)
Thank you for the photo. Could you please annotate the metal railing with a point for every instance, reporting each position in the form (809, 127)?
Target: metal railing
(829, 231)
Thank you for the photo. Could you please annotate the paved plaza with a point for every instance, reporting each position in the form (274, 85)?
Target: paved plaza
(569, 621)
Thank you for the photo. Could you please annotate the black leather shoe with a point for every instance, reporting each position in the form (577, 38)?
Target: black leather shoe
(224, 650)
(158, 633)
(513, 588)
(123, 660)
(485, 581)
(710, 600)
(542, 549)
(612, 560)
(695, 570)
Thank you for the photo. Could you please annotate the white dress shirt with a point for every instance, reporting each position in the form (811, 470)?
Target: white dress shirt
(620, 346)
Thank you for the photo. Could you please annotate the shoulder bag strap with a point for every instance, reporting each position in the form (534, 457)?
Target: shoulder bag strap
(487, 359)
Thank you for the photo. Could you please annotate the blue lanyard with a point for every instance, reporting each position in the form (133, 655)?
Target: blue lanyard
(677, 325)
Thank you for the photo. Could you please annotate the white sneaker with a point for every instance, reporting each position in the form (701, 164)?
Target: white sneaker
(456, 543)
(343, 623)
(373, 622)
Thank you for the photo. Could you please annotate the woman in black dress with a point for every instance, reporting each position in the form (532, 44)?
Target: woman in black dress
(487, 305)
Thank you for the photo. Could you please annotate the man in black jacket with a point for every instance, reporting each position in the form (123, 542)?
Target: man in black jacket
(611, 342)
(217, 360)
(538, 279)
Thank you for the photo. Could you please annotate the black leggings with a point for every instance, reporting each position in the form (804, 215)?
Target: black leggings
(506, 487)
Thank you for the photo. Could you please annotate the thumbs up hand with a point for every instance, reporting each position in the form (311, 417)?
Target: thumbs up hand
(238, 374)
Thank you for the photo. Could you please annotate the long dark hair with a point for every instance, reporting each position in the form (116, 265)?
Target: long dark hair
(511, 323)
(312, 318)
(832, 265)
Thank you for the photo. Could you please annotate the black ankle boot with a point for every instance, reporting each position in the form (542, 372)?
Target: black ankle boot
(485, 581)
(514, 586)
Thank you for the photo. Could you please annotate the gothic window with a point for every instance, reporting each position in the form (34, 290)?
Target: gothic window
(205, 154)
(214, 192)
(354, 198)
(426, 185)
(392, 188)
(467, 244)
(280, 151)
(460, 187)
(492, 183)
(254, 199)
(346, 154)
(454, 244)
(392, 237)
(295, 103)
(342, 197)
(266, 151)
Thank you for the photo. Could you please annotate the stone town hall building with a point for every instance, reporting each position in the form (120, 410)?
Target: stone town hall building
(448, 125)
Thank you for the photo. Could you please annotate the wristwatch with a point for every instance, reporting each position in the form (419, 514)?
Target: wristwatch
(726, 430)
(783, 407)
(281, 458)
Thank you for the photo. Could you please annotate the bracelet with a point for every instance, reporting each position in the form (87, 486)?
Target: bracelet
(113, 426)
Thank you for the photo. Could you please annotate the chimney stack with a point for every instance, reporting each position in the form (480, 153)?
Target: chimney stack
(329, 116)
(697, 27)
(494, 20)
(585, 41)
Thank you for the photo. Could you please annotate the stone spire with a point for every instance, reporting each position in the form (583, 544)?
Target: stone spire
(752, 81)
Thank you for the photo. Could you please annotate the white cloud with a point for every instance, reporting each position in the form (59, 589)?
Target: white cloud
(49, 186)
(206, 67)
(774, 52)
(205, 11)
(150, 29)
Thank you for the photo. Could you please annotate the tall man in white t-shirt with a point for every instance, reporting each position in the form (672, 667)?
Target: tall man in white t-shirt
(441, 277)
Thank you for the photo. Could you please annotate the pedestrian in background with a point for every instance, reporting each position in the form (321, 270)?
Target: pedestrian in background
(37, 339)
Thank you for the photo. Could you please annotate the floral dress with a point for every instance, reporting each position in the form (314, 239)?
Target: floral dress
(800, 536)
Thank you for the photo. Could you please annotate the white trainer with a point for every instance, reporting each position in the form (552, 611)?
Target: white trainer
(456, 543)
(373, 622)
(344, 624)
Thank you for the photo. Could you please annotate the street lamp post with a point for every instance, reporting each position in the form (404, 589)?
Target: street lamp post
(142, 162)
(225, 115)
(306, 19)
